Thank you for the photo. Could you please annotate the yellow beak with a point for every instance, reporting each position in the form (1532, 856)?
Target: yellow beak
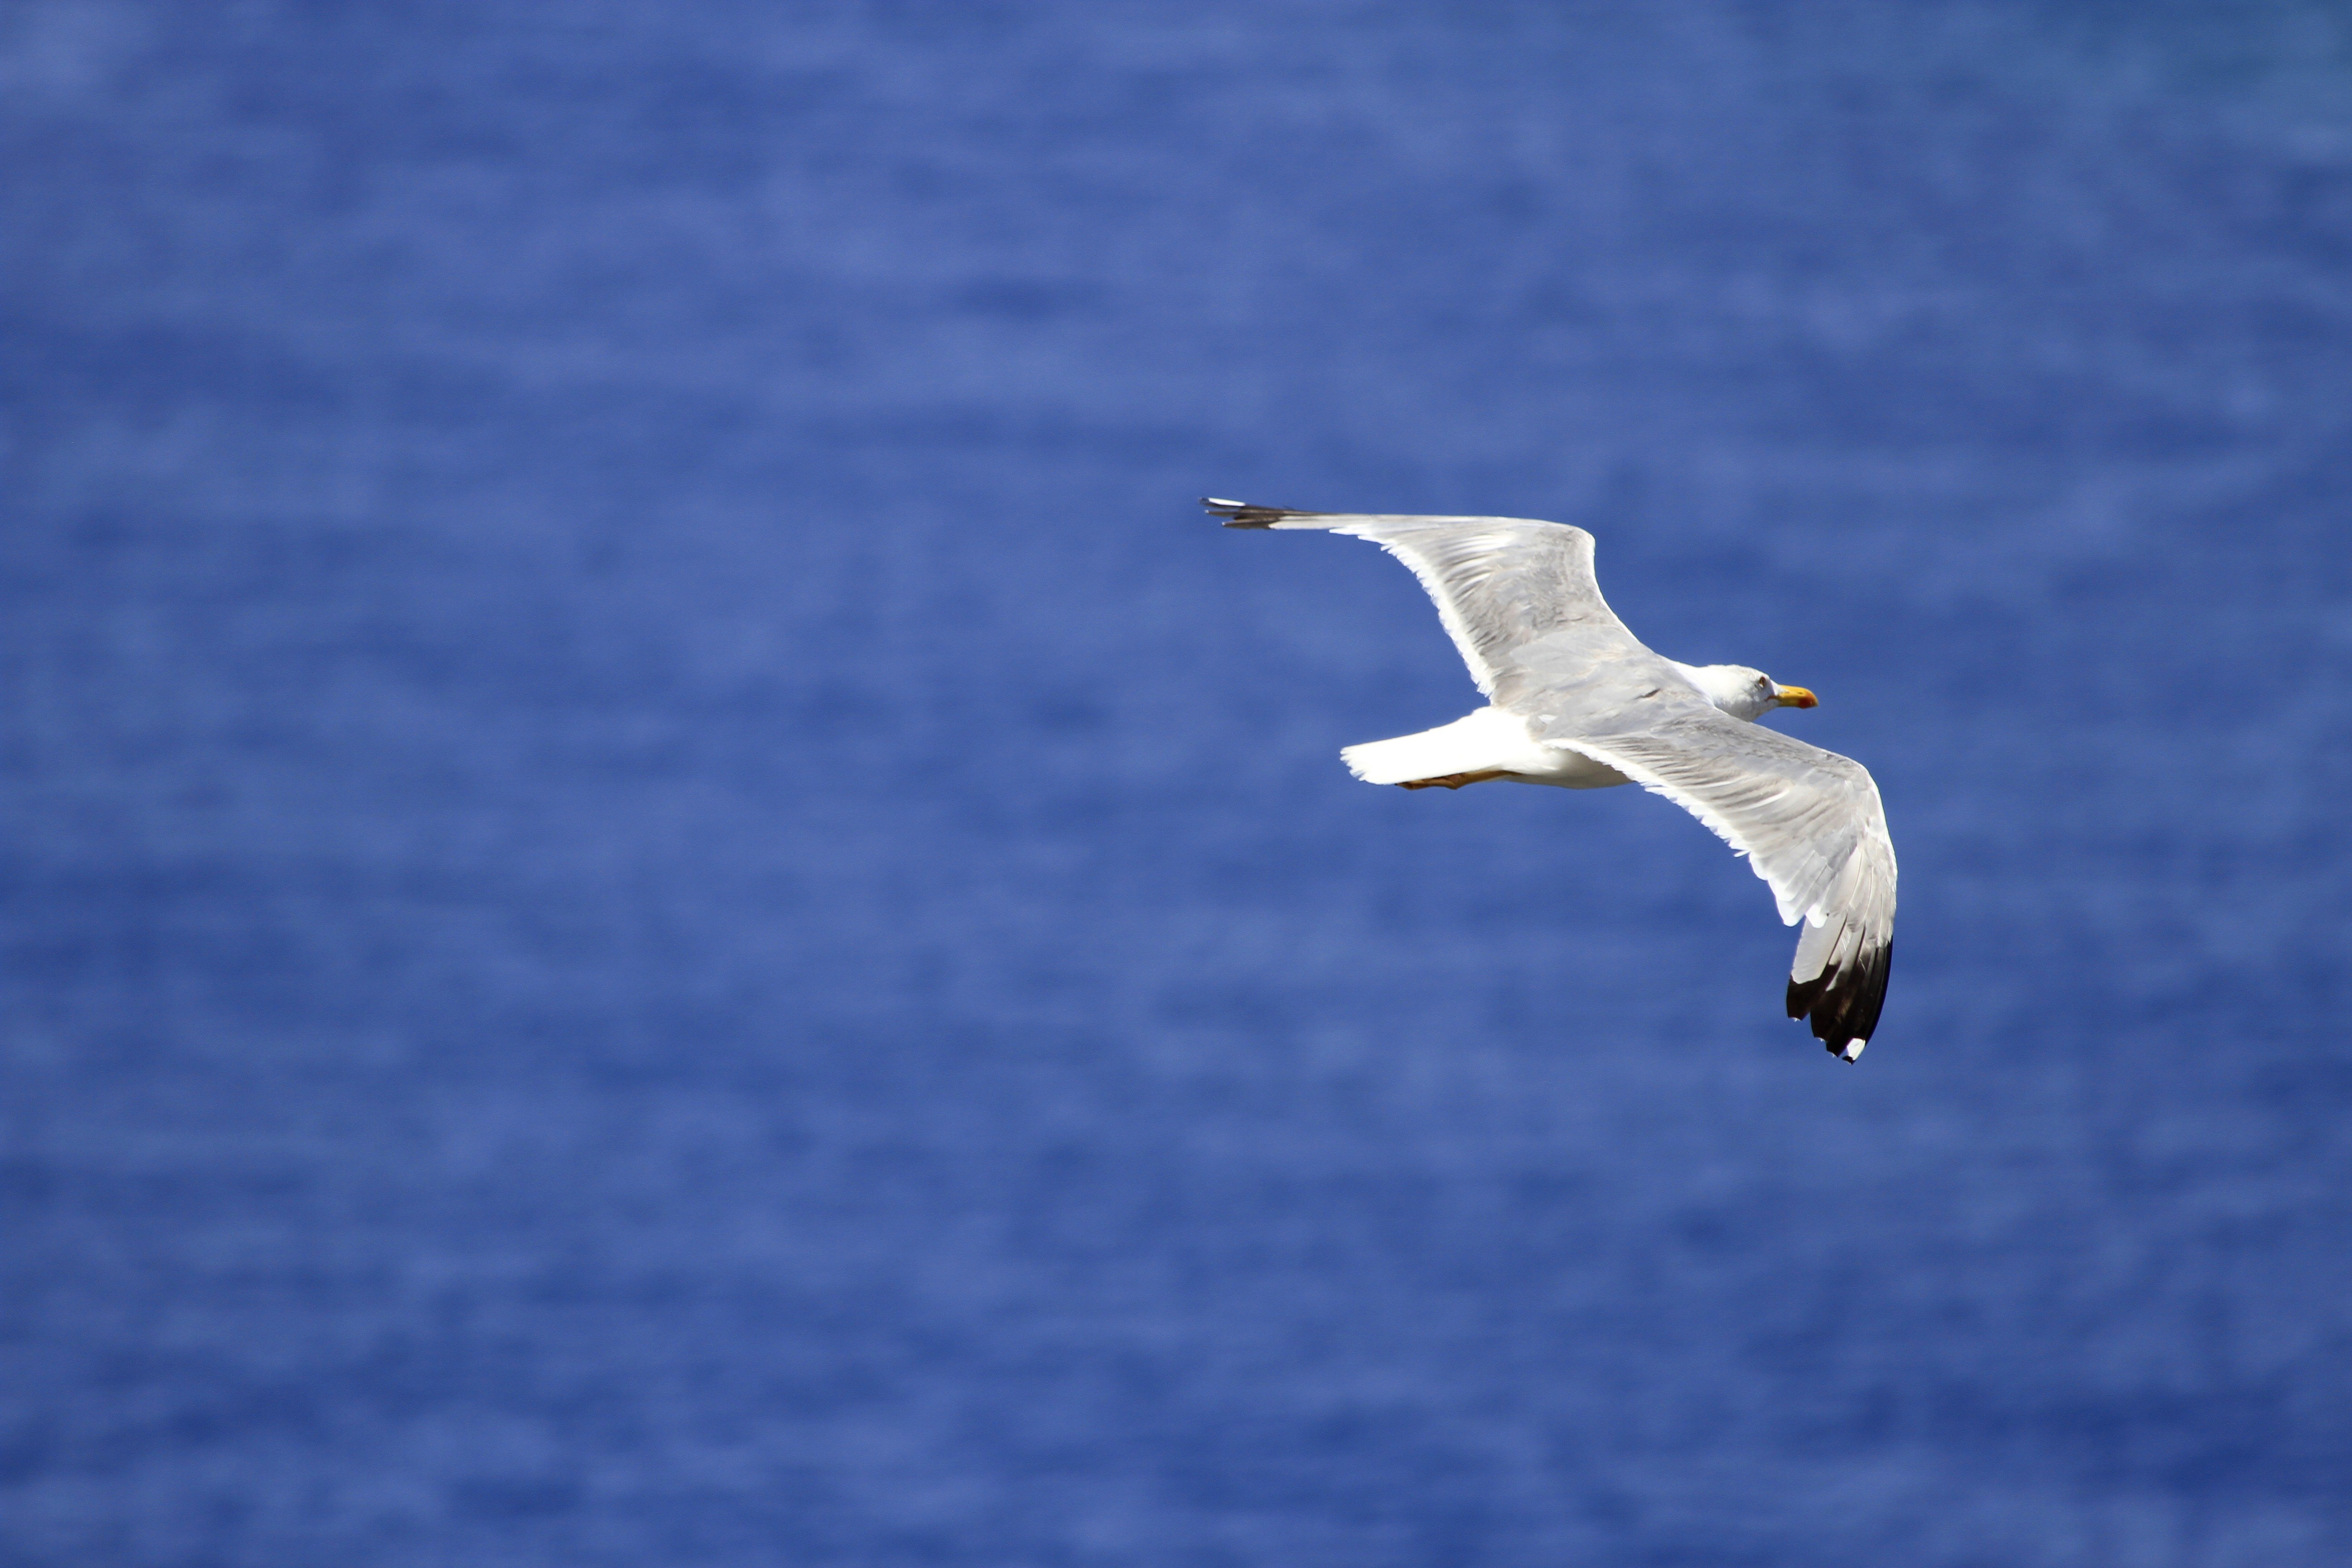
(1796, 696)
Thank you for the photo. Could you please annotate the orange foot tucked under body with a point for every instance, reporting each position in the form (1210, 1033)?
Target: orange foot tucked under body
(1455, 781)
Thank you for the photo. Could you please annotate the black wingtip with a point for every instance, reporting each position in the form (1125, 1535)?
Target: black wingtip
(1844, 1003)
(1241, 514)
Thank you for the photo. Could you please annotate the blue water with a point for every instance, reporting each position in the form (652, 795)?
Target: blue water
(668, 904)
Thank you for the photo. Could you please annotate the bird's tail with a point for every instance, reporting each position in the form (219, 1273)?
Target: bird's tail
(1483, 742)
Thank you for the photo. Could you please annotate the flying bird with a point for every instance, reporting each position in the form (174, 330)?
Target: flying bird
(1574, 699)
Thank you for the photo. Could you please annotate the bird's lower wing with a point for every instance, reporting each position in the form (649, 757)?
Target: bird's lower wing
(1809, 822)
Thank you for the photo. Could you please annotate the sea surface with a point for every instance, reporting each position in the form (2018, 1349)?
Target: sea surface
(666, 902)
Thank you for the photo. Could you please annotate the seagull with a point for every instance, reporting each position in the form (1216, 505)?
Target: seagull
(1575, 700)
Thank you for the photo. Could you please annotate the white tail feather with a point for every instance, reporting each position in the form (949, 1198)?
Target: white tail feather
(1487, 739)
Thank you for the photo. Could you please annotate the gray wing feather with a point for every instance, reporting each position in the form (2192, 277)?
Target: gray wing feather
(1809, 822)
(1500, 584)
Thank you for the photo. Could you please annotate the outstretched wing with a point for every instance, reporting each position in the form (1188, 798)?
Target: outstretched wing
(1810, 825)
(1499, 583)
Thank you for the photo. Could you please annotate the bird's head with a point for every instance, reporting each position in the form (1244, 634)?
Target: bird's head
(1746, 693)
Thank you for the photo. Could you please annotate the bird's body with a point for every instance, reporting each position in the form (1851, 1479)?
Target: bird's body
(1576, 701)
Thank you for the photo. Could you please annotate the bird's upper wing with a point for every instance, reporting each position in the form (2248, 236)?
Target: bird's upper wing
(1501, 583)
(1809, 822)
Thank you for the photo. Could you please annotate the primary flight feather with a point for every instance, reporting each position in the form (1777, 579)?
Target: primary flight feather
(1575, 700)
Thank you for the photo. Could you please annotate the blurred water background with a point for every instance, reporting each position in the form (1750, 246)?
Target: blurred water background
(666, 903)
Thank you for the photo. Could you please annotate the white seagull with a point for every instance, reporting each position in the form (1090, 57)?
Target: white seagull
(1574, 699)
